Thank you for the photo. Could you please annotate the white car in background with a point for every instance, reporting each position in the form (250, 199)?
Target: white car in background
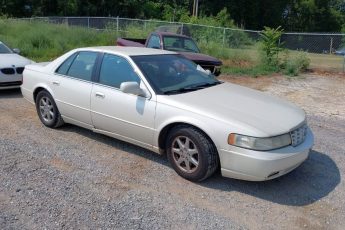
(163, 102)
(11, 67)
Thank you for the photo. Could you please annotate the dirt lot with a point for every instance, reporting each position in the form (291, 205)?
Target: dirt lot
(73, 178)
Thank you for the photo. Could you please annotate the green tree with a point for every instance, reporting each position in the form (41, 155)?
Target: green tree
(313, 15)
(292, 15)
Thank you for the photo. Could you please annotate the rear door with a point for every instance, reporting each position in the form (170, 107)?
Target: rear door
(125, 116)
(73, 86)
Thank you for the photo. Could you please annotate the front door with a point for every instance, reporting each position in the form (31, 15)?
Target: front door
(125, 116)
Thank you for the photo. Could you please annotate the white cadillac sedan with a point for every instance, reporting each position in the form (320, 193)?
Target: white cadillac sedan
(11, 67)
(163, 102)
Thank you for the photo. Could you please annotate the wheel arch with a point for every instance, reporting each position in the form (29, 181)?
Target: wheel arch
(40, 88)
(168, 127)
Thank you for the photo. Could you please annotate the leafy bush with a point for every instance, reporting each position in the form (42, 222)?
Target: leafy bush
(294, 65)
(270, 49)
(270, 45)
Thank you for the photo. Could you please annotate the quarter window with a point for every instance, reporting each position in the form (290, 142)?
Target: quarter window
(116, 70)
(154, 42)
(65, 66)
(82, 65)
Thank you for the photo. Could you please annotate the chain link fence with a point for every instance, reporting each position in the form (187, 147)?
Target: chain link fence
(321, 47)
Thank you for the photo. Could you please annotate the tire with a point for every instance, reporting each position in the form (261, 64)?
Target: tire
(192, 155)
(47, 110)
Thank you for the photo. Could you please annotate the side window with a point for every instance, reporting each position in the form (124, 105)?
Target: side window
(63, 68)
(154, 42)
(191, 46)
(82, 65)
(115, 70)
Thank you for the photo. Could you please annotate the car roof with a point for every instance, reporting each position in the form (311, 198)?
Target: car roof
(129, 51)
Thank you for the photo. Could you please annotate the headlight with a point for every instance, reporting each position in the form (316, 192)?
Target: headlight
(257, 143)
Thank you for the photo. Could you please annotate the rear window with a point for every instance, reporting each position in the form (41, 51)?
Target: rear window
(79, 65)
(4, 49)
(181, 44)
(64, 67)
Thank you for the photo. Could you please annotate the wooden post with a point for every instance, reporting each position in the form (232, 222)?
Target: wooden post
(224, 33)
(117, 25)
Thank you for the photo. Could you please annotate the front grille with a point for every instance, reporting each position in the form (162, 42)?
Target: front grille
(298, 135)
(7, 71)
(20, 70)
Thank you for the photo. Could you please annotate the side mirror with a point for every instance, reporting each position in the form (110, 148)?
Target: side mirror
(16, 50)
(132, 87)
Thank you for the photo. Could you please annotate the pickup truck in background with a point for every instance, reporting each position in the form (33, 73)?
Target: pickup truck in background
(179, 43)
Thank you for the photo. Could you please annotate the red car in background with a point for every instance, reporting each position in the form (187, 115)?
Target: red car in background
(179, 43)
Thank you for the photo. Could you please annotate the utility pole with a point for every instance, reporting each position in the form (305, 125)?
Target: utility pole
(195, 8)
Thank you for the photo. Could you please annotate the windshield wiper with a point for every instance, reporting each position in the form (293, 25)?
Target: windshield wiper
(192, 88)
(204, 85)
(181, 90)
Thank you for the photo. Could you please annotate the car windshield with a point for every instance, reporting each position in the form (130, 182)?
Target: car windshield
(180, 44)
(174, 74)
(4, 49)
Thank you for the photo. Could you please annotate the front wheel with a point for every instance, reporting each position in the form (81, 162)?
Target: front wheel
(192, 155)
(47, 110)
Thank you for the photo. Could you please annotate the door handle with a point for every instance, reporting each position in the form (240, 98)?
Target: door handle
(56, 83)
(100, 95)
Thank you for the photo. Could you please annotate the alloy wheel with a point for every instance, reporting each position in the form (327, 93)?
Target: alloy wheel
(46, 109)
(185, 154)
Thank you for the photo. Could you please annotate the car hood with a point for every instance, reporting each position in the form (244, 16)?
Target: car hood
(201, 58)
(247, 111)
(8, 60)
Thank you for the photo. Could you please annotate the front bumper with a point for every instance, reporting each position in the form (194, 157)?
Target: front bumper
(10, 81)
(254, 165)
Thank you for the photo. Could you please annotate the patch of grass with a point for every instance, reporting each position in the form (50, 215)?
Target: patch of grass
(326, 62)
(253, 71)
(41, 41)
(225, 53)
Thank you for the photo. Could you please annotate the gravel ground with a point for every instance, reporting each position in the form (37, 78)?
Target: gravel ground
(73, 178)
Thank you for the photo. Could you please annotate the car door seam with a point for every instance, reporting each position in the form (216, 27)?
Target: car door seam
(57, 100)
(135, 124)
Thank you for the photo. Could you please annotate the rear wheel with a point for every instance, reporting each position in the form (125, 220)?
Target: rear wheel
(192, 155)
(47, 110)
